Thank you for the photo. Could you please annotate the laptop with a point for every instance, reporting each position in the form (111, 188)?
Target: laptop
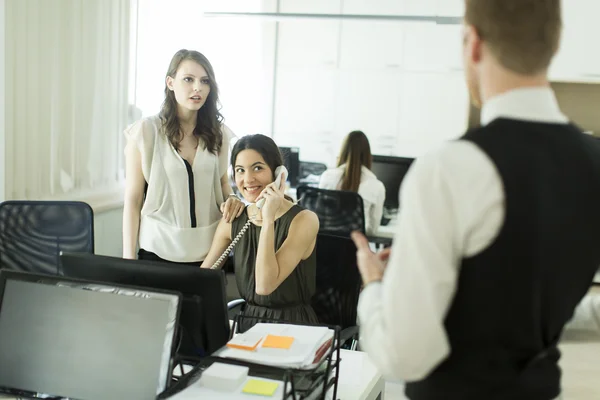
(79, 339)
(203, 323)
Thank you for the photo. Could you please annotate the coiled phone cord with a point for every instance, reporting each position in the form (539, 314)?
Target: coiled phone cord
(232, 245)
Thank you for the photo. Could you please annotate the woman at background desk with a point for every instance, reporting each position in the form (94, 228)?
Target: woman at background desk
(275, 260)
(176, 169)
(353, 173)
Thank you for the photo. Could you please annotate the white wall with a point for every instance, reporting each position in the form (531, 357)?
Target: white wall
(576, 61)
(401, 82)
(108, 235)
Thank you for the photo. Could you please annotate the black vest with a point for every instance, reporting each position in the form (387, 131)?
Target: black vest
(514, 298)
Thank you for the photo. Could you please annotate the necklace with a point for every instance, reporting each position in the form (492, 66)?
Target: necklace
(254, 217)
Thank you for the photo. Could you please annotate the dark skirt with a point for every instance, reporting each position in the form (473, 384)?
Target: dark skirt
(149, 256)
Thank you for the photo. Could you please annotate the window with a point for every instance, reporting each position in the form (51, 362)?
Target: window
(241, 51)
(66, 96)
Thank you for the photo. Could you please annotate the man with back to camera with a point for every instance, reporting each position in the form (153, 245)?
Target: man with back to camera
(496, 240)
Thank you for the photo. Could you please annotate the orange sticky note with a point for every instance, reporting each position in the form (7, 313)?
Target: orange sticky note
(244, 342)
(278, 342)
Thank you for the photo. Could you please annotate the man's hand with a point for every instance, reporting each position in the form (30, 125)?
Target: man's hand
(370, 265)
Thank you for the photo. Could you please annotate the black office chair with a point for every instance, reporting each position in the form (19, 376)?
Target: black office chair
(33, 233)
(340, 212)
(338, 285)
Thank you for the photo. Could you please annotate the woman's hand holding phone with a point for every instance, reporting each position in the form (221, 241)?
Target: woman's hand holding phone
(272, 196)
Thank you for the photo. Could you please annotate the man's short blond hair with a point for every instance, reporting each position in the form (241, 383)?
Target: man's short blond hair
(522, 34)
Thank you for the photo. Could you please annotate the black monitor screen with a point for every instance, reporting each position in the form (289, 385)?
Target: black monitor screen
(391, 171)
(204, 321)
(84, 340)
(291, 159)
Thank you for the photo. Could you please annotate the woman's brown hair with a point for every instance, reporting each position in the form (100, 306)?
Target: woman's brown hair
(355, 153)
(208, 123)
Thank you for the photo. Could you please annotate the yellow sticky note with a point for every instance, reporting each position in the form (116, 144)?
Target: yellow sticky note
(278, 342)
(263, 388)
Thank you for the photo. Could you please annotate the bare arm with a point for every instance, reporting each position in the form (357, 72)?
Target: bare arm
(273, 268)
(134, 197)
(221, 240)
(225, 186)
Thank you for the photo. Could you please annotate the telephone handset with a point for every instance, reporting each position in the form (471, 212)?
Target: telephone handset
(281, 174)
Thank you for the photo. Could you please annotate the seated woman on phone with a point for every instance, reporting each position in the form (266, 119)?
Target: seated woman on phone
(275, 259)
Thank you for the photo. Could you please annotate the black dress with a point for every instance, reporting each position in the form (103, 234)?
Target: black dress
(291, 300)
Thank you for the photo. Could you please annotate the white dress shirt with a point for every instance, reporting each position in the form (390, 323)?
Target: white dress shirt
(370, 189)
(452, 207)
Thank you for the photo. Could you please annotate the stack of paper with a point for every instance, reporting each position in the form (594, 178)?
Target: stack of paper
(248, 390)
(281, 345)
(221, 376)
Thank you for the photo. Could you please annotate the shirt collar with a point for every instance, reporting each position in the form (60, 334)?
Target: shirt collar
(530, 104)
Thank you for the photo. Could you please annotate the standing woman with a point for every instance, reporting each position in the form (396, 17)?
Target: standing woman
(353, 173)
(176, 169)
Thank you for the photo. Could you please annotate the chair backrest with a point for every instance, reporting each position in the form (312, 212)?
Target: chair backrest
(33, 233)
(338, 281)
(340, 212)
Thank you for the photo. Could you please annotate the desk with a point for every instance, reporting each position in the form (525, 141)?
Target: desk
(358, 380)
(384, 234)
(387, 231)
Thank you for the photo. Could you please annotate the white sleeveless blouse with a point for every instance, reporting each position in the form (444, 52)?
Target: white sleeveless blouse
(170, 208)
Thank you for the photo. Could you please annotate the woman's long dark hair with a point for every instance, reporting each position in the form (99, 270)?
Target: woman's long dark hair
(208, 123)
(263, 145)
(355, 153)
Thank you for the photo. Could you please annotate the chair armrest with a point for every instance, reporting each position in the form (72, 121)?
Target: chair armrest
(234, 303)
(349, 333)
(385, 241)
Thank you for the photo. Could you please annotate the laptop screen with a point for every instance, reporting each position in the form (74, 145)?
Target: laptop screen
(89, 341)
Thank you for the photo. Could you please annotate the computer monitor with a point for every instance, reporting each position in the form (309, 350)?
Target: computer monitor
(75, 339)
(204, 322)
(291, 160)
(391, 171)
